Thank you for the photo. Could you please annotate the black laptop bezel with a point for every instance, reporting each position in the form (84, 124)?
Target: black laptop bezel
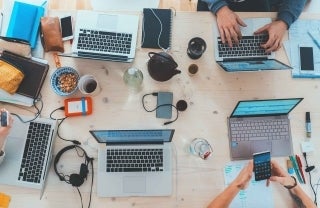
(129, 143)
(259, 115)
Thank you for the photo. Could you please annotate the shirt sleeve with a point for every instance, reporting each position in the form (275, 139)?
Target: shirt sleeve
(2, 154)
(215, 5)
(290, 10)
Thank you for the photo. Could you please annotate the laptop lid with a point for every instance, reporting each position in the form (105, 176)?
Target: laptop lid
(252, 64)
(150, 136)
(270, 107)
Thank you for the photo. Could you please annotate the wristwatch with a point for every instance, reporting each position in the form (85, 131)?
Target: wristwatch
(294, 185)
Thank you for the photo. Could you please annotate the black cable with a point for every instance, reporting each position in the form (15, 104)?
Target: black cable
(80, 196)
(76, 142)
(310, 180)
(156, 94)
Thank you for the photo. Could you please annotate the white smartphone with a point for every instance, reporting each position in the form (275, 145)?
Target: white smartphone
(306, 58)
(66, 28)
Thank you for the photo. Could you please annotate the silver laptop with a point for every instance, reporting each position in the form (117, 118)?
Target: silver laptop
(261, 125)
(134, 162)
(28, 152)
(247, 55)
(105, 36)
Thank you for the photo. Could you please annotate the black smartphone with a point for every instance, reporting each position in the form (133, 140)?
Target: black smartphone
(306, 59)
(262, 165)
(4, 118)
(164, 101)
(66, 28)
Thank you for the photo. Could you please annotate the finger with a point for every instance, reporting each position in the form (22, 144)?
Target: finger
(228, 38)
(268, 182)
(274, 47)
(222, 35)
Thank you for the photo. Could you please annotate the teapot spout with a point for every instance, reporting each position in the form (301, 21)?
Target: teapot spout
(176, 71)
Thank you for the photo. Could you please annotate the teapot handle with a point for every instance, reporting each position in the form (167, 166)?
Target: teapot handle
(153, 53)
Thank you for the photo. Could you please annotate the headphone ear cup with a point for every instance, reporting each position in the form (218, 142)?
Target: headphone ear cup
(83, 171)
(76, 180)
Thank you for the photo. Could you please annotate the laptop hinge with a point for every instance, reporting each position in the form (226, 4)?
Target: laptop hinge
(103, 56)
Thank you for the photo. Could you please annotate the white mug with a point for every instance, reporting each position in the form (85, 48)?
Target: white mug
(89, 85)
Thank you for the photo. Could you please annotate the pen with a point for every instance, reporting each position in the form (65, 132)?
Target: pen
(308, 124)
(300, 168)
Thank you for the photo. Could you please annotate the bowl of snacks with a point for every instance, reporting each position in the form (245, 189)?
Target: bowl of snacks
(64, 81)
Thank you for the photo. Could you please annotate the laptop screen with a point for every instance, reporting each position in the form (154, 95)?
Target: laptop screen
(265, 107)
(133, 136)
(252, 65)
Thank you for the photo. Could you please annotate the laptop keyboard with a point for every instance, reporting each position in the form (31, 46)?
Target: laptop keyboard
(106, 42)
(34, 154)
(249, 46)
(260, 130)
(134, 160)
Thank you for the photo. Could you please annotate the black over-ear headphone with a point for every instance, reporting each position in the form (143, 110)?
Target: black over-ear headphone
(74, 179)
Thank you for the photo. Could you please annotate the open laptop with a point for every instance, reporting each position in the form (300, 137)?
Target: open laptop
(105, 36)
(261, 125)
(134, 162)
(28, 152)
(248, 55)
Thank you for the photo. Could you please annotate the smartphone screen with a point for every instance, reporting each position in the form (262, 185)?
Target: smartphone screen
(66, 28)
(306, 58)
(165, 99)
(262, 165)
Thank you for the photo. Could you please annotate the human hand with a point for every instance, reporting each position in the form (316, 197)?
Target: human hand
(280, 175)
(243, 178)
(276, 31)
(229, 25)
(4, 130)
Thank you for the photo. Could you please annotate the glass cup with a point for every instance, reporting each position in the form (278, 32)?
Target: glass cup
(201, 148)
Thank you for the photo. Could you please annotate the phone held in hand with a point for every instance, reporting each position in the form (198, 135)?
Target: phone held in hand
(262, 165)
(4, 118)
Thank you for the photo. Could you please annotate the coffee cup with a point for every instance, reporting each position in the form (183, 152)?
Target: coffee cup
(88, 85)
(196, 47)
(193, 69)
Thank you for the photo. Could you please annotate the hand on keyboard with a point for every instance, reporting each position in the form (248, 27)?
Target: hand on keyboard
(276, 31)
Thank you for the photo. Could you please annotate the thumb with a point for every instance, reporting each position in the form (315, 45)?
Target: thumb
(262, 29)
(241, 22)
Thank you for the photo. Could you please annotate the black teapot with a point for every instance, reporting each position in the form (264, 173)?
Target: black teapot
(161, 66)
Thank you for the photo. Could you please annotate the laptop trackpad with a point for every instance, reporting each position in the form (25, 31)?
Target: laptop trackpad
(134, 184)
(261, 146)
(106, 21)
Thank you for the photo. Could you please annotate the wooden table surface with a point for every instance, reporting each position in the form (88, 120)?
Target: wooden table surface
(211, 96)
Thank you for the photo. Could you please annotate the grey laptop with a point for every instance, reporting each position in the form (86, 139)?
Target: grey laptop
(28, 152)
(134, 162)
(105, 36)
(248, 55)
(261, 125)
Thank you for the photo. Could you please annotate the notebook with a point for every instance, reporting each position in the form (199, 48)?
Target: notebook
(105, 36)
(24, 22)
(156, 28)
(146, 169)
(261, 125)
(23, 167)
(248, 55)
(34, 71)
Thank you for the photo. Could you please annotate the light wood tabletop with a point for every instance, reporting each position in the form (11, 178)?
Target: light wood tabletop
(211, 96)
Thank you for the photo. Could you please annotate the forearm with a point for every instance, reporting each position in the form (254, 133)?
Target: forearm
(224, 199)
(290, 10)
(215, 5)
(301, 199)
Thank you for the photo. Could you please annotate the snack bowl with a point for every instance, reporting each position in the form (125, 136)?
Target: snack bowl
(64, 81)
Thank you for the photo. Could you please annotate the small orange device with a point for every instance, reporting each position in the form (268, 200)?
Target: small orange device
(78, 106)
(4, 200)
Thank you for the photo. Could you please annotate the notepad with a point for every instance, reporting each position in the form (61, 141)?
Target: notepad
(24, 22)
(156, 28)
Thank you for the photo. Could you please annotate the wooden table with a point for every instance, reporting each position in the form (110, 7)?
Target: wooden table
(211, 96)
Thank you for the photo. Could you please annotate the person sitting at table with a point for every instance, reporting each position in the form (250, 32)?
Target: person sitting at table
(229, 22)
(4, 131)
(279, 175)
